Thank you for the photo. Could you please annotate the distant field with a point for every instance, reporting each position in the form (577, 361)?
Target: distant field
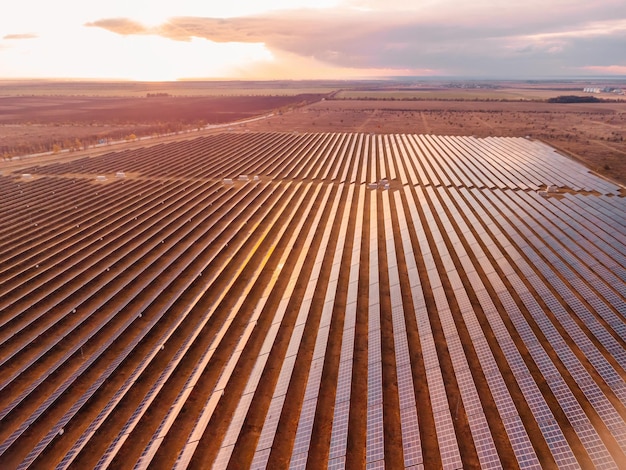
(512, 94)
(379, 90)
(141, 89)
(34, 124)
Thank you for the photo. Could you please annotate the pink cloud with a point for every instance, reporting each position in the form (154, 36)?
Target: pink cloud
(123, 26)
(606, 69)
(19, 36)
(508, 41)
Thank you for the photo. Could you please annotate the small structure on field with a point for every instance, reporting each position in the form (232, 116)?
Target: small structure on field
(243, 178)
(228, 181)
(120, 174)
(101, 178)
(550, 190)
(381, 184)
(27, 176)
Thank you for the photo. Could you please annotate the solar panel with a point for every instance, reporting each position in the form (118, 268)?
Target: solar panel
(536, 284)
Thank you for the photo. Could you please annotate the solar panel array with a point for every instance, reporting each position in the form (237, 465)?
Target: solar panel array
(254, 300)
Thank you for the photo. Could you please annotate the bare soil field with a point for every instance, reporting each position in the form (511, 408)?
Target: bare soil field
(33, 124)
(455, 94)
(134, 89)
(68, 109)
(476, 90)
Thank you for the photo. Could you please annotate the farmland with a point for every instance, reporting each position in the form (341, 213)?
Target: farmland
(254, 299)
(35, 124)
(183, 88)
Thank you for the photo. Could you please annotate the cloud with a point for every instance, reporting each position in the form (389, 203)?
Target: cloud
(123, 26)
(290, 66)
(488, 38)
(606, 69)
(10, 37)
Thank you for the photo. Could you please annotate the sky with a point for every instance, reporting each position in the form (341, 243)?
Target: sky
(311, 39)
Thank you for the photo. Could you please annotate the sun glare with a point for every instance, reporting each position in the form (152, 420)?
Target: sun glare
(159, 59)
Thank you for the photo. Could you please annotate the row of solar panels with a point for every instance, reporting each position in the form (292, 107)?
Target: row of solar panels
(513, 163)
(538, 296)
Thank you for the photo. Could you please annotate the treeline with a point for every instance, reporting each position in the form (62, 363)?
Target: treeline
(574, 99)
(428, 98)
(557, 99)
